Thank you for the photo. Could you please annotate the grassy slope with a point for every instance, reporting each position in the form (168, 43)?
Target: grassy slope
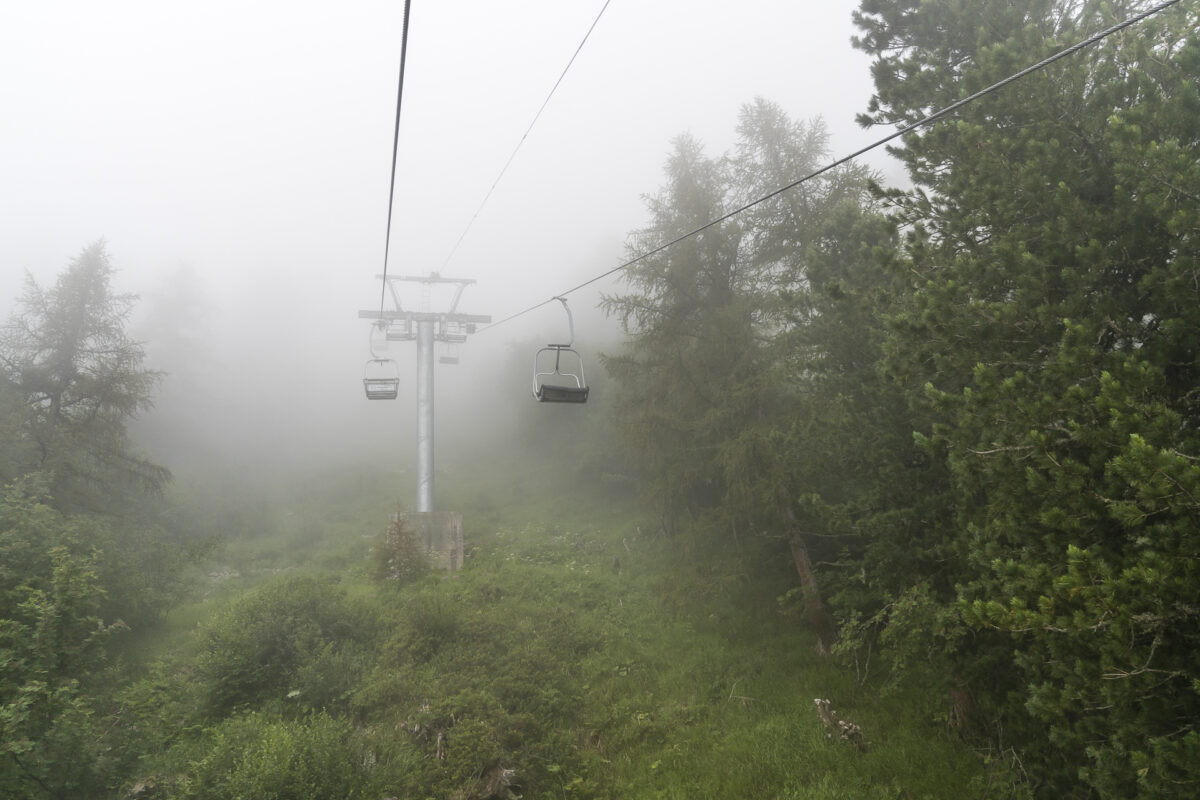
(590, 656)
(669, 671)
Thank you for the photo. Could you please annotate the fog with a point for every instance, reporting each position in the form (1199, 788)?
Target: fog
(236, 158)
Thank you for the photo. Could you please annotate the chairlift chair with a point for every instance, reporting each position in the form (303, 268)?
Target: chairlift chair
(565, 383)
(381, 379)
(381, 376)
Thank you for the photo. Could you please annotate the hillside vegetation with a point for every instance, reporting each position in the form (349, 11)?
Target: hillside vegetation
(930, 454)
(578, 653)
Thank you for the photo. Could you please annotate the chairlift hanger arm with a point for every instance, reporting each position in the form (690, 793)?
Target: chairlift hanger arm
(382, 326)
(395, 295)
(570, 323)
(457, 296)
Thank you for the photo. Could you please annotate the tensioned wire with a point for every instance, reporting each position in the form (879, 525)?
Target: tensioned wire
(387, 241)
(525, 135)
(1089, 41)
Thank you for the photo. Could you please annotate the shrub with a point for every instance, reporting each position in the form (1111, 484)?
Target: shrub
(255, 650)
(268, 759)
(400, 556)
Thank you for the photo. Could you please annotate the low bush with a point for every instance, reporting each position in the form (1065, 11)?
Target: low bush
(295, 630)
(255, 756)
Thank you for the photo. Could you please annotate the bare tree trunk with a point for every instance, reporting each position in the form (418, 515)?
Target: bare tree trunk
(822, 621)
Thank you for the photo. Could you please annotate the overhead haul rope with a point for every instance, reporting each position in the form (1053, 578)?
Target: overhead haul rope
(387, 241)
(524, 136)
(1093, 39)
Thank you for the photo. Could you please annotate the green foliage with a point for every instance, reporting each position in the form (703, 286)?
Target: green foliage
(67, 581)
(71, 379)
(145, 570)
(298, 638)
(1049, 316)
(316, 757)
(81, 377)
(399, 557)
(654, 676)
(985, 406)
(18, 451)
(580, 659)
(51, 644)
(699, 382)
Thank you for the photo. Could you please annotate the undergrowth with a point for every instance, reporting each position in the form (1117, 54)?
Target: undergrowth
(577, 654)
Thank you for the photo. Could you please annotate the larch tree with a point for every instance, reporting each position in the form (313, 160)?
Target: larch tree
(66, 353)
(701, 381)
(688, 329)
(711, 394)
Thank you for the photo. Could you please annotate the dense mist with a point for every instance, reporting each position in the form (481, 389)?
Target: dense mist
(239, 175)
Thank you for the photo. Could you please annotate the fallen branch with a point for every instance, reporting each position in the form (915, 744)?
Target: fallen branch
(844, 730)
(745, 701)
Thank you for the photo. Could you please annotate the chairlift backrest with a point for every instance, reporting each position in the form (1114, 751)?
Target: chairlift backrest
(381, 376)
(565, 383)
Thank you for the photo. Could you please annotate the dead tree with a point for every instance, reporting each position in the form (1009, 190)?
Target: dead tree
(822, 621)
(836, 727)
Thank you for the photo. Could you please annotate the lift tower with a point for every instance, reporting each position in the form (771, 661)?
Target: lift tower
(425, 327)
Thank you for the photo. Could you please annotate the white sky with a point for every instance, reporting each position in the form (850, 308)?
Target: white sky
(251, 141)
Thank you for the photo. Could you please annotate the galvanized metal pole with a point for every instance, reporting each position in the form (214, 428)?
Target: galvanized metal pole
(450, 327)
(425, 334)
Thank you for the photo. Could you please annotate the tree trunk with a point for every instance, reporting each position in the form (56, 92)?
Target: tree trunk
(822, 621)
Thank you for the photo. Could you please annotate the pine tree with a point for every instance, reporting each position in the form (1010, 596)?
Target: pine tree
(1052, 323)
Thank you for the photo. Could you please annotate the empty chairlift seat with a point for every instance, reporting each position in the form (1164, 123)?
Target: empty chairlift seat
(564, 383)
(559, 378)
(381, 379)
